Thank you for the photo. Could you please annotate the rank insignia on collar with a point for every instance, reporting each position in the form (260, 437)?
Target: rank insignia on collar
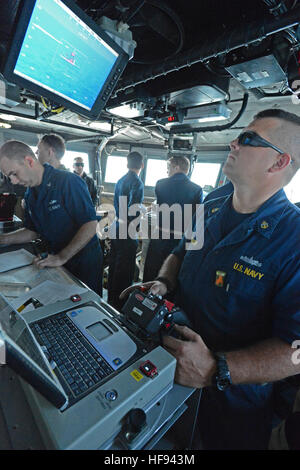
(220, 278)
(214, 209)
(264, 224)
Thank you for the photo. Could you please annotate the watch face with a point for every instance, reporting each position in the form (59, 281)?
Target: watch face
(223, 383)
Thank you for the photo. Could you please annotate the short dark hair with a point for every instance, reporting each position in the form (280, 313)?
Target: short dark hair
(135, 161)
(181, 161)
(16, 150)
(56, 142)
(279, 114)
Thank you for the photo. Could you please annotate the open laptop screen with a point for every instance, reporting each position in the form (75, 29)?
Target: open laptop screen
(25, 357)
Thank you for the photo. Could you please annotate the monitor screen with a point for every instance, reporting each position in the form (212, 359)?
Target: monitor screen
(59, 53)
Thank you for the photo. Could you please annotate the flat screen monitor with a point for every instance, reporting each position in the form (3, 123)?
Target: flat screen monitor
(59, 53)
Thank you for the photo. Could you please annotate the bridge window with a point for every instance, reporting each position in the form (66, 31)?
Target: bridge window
(116, 167)
(69, 156)
(206, 174)
(156, 170)
(292, 189)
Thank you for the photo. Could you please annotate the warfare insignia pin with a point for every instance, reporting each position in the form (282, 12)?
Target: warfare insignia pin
(264, 224)
(220, 278)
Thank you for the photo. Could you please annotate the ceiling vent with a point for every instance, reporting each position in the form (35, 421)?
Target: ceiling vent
(259, 72)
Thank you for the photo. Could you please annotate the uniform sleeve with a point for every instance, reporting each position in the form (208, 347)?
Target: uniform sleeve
(93, 192)
(156, 190)
(28, 222)
(286, 302)
(199, 198)
(180, 250)
(77, 200)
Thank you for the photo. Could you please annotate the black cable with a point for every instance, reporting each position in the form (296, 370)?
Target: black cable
(195, 421)
(133, 11)
(180, 28)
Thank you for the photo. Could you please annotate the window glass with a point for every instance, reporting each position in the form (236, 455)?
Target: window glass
(68, 159)
(205, 174)
(292, 189)
(156, 170)
(116, 167)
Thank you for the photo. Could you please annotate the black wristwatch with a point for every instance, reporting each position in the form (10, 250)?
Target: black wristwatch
(222, 377)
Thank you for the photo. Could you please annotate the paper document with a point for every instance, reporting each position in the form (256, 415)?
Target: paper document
(15, 259)
(48, 292)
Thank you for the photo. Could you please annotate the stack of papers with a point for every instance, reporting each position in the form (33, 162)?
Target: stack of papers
(15, 259)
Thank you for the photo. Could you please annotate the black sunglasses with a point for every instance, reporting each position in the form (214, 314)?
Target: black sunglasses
(254, 140)
(78, 164)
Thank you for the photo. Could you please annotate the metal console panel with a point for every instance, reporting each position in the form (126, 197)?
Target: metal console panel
(97, 418)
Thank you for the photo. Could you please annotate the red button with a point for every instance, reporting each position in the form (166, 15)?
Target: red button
(149, 369)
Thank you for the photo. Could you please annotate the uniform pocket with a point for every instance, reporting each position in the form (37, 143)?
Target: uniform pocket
(252, 283)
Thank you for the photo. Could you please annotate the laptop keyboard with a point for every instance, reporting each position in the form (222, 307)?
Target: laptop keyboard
(81, 366)
(25, 342)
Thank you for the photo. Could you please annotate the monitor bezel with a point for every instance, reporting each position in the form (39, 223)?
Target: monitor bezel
(23, 18)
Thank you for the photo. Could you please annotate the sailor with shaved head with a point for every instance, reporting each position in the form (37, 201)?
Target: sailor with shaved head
(58, 208)
(241, 289)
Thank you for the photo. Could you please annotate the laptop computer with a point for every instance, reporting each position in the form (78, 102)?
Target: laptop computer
(67, 355)
(7, 206)
(83, 369)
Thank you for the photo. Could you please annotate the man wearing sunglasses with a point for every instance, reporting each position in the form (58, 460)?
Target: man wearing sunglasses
(78, 166)
(241, 290)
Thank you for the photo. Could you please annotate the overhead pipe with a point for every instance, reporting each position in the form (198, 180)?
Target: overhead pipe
(56, 123)
(211, 48)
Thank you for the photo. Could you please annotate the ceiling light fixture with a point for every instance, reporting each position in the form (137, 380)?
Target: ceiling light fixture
(8, 117)
(101, 126)
(131, 110)
(207, 113)
(5, 125)
(215, 112)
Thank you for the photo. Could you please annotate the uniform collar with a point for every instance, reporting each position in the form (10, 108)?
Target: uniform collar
(178, 176)
(264, 220)
(48, 172)
(133, 174)
(46, 180)
(270, 213)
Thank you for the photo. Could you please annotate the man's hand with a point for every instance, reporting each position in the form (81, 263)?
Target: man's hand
(52, 261)
(195, 362)
(155, 287)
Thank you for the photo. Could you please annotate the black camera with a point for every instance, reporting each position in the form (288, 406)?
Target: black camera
(150, 313)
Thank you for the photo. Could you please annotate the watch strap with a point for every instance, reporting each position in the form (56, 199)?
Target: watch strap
(222, 377)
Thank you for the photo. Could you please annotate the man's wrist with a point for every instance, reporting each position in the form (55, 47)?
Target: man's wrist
(63, 258)
(222, 378)
(166, 282)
